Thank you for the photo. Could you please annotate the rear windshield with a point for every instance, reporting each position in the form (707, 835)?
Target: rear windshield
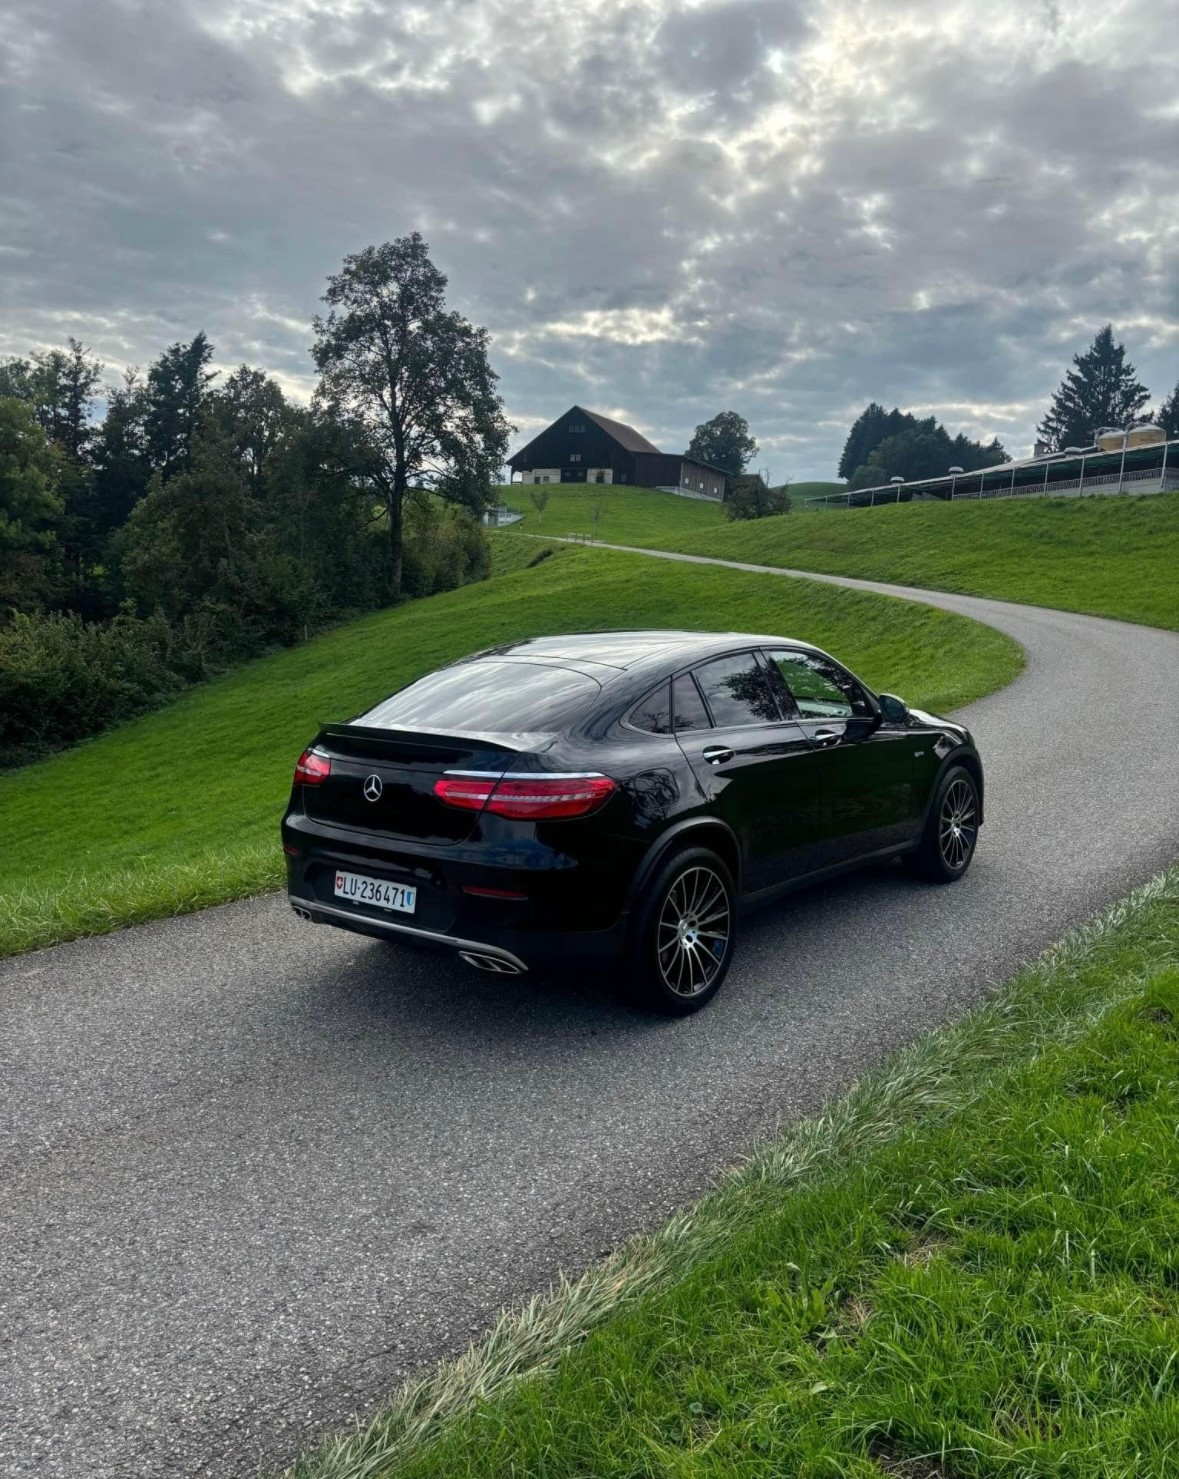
(488, 697)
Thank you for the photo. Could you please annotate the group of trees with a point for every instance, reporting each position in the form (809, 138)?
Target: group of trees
(1102, 389)
(884, 444)
(185, 519)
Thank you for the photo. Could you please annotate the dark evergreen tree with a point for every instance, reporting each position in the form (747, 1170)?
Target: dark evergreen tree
(121, 464)
(177, 385)
(30, 507)
(1102, 390)
(1168, 416)
(869, 429)
(724, 442)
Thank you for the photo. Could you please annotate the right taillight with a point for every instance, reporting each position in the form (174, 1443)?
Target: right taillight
(527, 798)
(312, 768)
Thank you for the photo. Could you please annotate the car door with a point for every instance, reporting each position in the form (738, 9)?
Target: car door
(756, 768)
(864, 767)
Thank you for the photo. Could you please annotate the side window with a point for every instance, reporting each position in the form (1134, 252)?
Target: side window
(737, 690)
(653, 713)
(820, 688)
(687, 705)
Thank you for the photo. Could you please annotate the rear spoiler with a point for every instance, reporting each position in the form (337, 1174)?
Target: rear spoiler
(361, 739)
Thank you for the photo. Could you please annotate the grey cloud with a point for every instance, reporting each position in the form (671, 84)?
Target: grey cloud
(648, 216)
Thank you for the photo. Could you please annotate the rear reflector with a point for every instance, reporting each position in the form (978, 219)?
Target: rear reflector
(540, 797)
(312, 768)
(492, 893)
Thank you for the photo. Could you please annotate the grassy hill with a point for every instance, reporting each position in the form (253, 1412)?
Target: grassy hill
(180, 808)
(1105, 556)
(629, 515)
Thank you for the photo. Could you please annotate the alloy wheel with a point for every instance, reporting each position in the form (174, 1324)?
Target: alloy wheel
(693, 932)
(958, 824)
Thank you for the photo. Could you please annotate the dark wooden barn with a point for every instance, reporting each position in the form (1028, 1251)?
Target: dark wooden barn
(583, 447)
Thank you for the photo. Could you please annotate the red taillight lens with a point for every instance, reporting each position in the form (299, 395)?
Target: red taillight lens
(464, 791)
(537, 798)
(312, 768)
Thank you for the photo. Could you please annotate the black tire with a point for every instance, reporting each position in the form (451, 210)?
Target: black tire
(674, 965)
(951, 830)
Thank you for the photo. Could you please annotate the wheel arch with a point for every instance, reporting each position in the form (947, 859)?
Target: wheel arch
(695, 832)
(969, 760)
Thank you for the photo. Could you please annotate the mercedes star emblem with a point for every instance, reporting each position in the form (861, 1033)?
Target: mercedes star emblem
(372, 788)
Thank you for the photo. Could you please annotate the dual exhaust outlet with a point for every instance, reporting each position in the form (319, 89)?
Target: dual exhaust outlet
(482, 960)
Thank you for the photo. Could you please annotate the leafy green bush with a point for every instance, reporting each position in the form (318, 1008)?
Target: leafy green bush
(444, 547)
(750, 498)
(62, 679)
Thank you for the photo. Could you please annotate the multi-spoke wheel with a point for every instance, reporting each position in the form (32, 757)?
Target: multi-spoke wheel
(951, 831)
(685, 932)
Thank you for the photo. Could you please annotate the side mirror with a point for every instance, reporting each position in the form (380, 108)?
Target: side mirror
(893, 710)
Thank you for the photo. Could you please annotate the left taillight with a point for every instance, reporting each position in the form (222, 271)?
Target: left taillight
(312, 768)
(527, 798)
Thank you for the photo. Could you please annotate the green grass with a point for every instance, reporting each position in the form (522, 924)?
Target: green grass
(967, 1267)
(180, 808)
(629, 515)
(1106, 556)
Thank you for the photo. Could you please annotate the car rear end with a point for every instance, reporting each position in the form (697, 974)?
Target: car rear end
(487, 842)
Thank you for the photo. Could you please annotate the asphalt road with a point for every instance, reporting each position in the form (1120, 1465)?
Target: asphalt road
(255, 1172)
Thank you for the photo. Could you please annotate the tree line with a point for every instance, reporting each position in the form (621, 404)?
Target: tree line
(159, 530)
(1101, 390)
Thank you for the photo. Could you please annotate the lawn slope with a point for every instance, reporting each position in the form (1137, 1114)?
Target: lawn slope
(1105, 556)
(180, 808)
(966, 1267)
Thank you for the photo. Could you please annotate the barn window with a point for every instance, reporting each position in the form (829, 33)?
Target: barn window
(575, 457)
(577, 426)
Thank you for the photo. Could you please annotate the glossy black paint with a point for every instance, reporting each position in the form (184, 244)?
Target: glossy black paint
(788, 790)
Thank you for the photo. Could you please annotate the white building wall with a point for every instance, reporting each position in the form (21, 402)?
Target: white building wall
(542, 475)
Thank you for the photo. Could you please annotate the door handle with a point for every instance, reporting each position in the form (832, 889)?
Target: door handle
(717, 754)
(826, 736)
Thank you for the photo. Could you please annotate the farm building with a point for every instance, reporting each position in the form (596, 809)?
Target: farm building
(583, 447)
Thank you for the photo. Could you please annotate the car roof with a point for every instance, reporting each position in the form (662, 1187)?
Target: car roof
(590, 652)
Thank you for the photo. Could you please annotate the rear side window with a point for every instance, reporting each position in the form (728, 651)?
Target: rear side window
(737, 691)
(498, 697)
(688, 706)
(653, 714)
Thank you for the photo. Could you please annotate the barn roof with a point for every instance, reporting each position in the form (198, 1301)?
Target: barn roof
(625, 436)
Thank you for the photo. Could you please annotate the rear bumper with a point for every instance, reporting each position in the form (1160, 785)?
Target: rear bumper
(565, 918)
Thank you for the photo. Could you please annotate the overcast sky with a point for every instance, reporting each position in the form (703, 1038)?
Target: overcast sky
(660, 210)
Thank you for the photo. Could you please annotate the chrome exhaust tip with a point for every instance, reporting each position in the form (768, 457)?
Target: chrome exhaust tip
(498, 965)
(303, 913)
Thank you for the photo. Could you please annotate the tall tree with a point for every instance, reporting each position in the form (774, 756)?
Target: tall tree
(61, 387)
(253, 412)
(1168, 416)
(121, 464)
(412, 379)
(177, 385)
(1102, 390)
(30, 509)
(725, 442)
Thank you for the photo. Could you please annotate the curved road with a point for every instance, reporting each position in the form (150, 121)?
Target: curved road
(254, 1173)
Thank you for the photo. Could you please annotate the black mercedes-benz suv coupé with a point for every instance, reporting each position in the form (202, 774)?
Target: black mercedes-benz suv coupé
(616, 799)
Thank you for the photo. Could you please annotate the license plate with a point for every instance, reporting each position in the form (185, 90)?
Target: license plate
(379, 891)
